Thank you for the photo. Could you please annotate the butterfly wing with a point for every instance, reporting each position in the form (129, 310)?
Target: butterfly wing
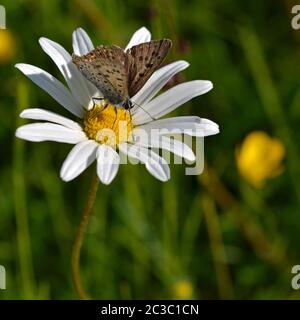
(105, 68)
(143, 60)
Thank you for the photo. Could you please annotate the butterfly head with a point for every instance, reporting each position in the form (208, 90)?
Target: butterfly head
(127, 104)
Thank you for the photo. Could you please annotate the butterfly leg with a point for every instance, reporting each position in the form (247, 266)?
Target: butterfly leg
(116, 112)
(130, 115)
(103, 104)
(97, 99)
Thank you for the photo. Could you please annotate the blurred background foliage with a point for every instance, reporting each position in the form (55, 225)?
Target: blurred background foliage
(232, 232)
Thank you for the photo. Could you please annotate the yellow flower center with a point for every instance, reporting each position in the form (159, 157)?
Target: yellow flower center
(260, 158)
(108, 124)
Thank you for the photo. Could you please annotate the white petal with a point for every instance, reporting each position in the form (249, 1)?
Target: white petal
(108, 162)
(38, 132)
(171, 99)
(80, 157)
(156, 82)
(40, 114)
(52, 86)
(190, 125)
(82, 43)
(78, 85)
(156, 165)
(141, 138)
(140, 36)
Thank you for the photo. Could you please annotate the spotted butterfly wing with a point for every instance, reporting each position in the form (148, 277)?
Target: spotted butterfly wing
(105, 68)
(143, 60)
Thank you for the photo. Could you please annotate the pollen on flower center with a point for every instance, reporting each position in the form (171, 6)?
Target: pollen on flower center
(108, 124)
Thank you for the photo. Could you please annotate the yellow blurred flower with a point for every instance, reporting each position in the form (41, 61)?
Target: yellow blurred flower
(7, 46)
(260, 157)
(183, 289)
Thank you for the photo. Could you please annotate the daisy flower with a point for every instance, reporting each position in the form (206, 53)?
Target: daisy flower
(86, 134)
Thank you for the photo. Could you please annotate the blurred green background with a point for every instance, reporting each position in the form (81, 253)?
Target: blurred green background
(217, 235)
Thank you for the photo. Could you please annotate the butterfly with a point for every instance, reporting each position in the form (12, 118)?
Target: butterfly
(120, 74)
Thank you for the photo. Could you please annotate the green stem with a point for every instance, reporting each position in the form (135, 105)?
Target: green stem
(75, 262)
(218, 249)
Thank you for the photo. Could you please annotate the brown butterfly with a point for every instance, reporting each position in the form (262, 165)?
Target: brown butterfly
(119, 75)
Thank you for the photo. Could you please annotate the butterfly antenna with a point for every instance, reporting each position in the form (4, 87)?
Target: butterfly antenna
(144, 110)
